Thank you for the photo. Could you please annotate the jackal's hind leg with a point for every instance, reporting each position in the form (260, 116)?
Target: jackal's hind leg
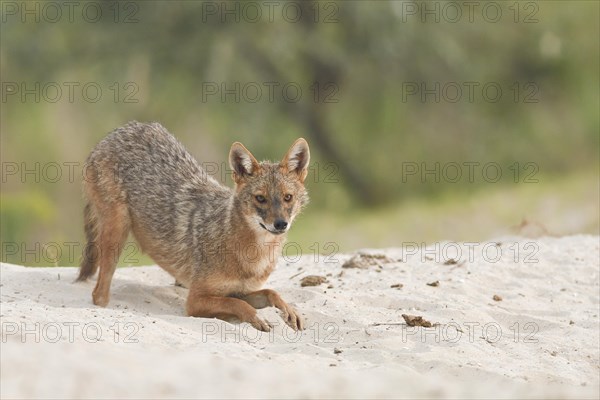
(113, 228)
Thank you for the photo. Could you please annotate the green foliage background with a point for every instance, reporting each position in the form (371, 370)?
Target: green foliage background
(368, 52)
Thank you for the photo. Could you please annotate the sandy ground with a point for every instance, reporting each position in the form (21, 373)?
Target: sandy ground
(540, 340)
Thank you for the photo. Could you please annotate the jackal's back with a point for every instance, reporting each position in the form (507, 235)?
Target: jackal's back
(163, 186)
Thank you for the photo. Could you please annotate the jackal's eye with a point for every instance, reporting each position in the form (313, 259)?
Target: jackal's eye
(287, 197)
(260, 198)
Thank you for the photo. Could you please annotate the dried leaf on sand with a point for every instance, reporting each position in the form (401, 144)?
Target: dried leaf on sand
(416, 320)
(312, 280)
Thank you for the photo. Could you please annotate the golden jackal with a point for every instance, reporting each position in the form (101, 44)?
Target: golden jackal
(221, 243)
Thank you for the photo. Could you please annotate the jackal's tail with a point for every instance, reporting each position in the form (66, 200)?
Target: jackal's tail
(89, 263)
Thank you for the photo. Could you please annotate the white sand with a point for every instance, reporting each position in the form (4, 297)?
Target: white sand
(50, 327)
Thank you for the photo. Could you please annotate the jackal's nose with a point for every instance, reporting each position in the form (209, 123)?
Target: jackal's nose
(280, 224)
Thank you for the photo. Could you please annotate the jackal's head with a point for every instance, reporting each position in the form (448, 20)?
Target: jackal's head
(270, 195)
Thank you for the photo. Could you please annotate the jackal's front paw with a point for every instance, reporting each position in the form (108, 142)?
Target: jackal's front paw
(291, 317)
(260, 324)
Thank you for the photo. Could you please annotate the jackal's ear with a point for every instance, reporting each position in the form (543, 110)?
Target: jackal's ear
(242, 162)
(297, 159)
